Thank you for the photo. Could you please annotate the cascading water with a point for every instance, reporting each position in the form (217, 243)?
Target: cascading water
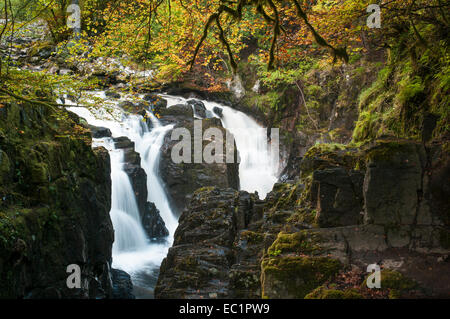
(258, 169)
(132, 250)
(129, 234)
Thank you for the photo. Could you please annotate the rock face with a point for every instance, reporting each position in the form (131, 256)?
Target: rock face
(394, 185)
(153, 223)
(100, 132)
(150, 217)
(202, 253)
(55, 206)
(122, 286)
(309, 235)
(176, 114)
(182, 179)
(339, 197)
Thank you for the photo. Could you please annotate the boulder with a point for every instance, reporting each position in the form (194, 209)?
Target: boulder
(122, 287)
(218, 111)
(152, 222)
(182, 179)
(199, 108)
(112, 94)
(156, 102)
(202, 248)
(176, 114)
(134, 107)
(100, 132)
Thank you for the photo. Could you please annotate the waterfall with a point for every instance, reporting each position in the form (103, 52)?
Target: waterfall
(129, 234)
(258, 169)
(132, 250)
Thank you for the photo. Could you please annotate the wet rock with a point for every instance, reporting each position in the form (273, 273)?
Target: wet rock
(199, 108)
(218, 111)
(112, 94)
(176, 114)
(123, 142)
(152, 222)
(122, 287)
(182, 179)
(201, 252)
(301, 236)
(134, 107)
(156, 101)
(100, 132)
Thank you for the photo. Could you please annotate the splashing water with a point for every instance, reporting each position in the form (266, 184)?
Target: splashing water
(258, 169)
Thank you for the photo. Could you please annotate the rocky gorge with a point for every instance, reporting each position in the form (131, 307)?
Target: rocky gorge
(350, 190)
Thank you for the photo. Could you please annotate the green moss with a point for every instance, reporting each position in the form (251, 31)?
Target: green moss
(38, 197)
(386, 151)
(252, 237)
(295, 277)
(303, 215)
(323, 156)
(301, 242)
(5, 166)
(206, 189)
(413, 85)
(408, 89)
(325, 293)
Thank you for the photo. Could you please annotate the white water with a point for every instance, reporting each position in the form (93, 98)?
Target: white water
(129, 234)
(133, 252)
(258, 169)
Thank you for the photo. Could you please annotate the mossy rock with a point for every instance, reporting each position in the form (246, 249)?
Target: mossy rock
(301, 243)
(294, 277)
(252, 237)
(323, 156)
(397, 283)
(326, 293)
(394, 152)
(284, 196)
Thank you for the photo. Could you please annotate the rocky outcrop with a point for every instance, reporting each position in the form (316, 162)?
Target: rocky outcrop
(339, 197)
(182, 179)
(316, 237)
(176, 114)
(202, 254)
(152, 222)
(198, 107)
(122, 286)
(100, 132)
(54, 211)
